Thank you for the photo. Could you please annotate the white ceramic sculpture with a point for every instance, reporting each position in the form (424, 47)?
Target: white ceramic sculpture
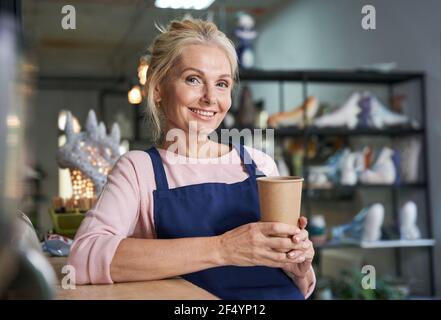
(348, 170)
(408, 216)
(381, 116)
(383, 171)
(92, 151)
(346, 115)
(373, 222)
(245, 33)
(366, 225)
(410, 150)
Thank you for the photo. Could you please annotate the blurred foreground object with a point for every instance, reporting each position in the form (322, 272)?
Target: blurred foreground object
(24, 271)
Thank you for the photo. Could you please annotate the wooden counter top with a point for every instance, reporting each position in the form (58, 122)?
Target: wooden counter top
(168, 289)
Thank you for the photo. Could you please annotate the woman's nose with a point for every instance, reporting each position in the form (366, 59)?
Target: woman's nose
(209, 96)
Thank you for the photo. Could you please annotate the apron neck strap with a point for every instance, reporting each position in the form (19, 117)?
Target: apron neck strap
(158, 168)
(248, 162)
(161, 178)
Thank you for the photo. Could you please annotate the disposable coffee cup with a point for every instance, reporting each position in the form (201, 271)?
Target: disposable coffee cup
(280, 199)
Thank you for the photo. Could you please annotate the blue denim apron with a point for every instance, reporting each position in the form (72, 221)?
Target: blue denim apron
(211, 209)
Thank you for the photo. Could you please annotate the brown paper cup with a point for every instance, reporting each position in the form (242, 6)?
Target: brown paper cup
(280, 199)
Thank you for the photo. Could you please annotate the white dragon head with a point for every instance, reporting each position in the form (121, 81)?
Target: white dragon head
(92, 151)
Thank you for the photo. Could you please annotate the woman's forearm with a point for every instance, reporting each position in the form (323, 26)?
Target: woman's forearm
(152, 259)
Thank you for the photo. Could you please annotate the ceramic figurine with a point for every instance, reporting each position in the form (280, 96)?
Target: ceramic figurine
(381, 116)
(247, 111)
(383, 171)
(366, 225)
(296, 116)
(245, 34)
(373, 222)
(348, 174)
(408, 216)
(92, 152)
(410, 151)
(345, 116)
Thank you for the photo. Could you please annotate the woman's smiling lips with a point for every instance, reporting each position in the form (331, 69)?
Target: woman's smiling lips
(203, 114)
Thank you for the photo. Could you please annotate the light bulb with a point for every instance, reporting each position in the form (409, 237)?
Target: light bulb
(62, 116)
(135, 95)
(142, 73)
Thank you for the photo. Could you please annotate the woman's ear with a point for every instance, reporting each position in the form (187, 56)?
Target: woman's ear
(157, 94)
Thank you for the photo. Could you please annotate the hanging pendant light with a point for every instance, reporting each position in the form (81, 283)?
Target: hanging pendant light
(135, 95)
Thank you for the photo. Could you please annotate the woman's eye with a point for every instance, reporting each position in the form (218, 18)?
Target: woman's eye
(223, 84)
(193, 80)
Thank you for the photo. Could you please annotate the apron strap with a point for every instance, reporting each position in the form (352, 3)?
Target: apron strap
(158, 168)
(249, 163)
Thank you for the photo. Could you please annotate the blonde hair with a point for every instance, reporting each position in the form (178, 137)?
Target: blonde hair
(167, 48)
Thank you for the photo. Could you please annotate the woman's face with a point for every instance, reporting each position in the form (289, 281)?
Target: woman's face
(198, 89)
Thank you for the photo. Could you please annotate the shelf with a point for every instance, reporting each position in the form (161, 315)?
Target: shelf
(377, 244)
(369, 186)
(323, 76)
(311, 131)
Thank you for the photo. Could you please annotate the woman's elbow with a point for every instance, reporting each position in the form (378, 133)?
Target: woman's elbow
(78, 262)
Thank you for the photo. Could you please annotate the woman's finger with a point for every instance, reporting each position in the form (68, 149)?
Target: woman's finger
(278, 228)
(278, 258)
(301, 236)
(279, 243)
(298, 259)
(302, 245)
(303, 222)
(294, 254)
(308, 252)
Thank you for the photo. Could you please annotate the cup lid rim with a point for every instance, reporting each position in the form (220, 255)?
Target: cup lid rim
(281, 179)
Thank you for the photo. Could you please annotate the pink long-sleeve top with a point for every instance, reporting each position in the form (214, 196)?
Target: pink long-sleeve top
(124, 208)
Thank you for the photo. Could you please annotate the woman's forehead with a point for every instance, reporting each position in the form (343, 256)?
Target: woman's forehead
(206, 58)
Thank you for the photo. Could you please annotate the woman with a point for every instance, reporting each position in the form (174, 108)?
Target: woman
(189, 206)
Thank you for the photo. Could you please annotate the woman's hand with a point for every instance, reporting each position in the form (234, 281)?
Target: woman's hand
(302, 254)
(258, 244)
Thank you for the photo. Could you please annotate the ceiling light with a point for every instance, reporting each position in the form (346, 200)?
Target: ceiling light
(184, 4)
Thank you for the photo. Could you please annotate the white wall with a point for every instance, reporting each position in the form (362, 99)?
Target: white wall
(309, 34)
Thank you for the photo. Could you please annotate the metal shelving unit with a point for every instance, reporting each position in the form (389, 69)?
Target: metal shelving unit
(390, 80)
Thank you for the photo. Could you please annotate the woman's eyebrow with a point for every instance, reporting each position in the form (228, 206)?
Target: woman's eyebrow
(201, 72)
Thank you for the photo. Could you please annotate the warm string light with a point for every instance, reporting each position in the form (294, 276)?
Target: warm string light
(82, 187)
(135, 93)
(96, 159)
